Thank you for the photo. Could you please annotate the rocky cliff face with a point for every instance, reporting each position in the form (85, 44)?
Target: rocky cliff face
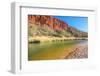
(50, 26)
(49, 21)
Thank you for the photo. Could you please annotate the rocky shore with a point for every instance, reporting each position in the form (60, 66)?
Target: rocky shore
(79, 52)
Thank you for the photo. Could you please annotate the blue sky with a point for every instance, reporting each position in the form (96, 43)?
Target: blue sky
(78, 22)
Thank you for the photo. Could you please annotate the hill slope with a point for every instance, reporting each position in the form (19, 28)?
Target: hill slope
(49, 26)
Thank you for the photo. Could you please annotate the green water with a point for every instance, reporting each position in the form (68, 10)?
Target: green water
(53, 50)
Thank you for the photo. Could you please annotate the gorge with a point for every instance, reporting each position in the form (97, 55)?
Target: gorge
(50, 28)
(51, 38)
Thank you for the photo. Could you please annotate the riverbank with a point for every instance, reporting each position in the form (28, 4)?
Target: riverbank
(38, 39)
(78, 52)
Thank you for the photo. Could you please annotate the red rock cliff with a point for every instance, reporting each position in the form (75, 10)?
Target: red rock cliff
(51, 22)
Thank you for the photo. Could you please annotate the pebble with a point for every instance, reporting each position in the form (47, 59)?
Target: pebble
(78, 53)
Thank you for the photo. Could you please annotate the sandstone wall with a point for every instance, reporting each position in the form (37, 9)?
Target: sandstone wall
(49, 21)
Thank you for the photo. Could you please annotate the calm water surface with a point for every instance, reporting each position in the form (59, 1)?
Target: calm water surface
(53, 50)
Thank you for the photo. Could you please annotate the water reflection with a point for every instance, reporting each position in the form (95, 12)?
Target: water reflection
(53, 50)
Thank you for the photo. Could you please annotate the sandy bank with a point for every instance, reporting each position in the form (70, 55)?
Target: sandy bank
(52, 39)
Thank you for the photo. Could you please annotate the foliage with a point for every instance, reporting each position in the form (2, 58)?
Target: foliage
(37, 30)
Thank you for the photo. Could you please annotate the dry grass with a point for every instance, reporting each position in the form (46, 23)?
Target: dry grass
(52, 39)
